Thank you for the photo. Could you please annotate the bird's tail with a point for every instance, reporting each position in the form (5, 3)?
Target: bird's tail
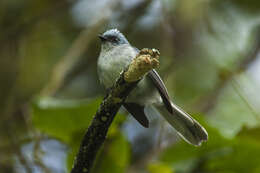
(187, 127)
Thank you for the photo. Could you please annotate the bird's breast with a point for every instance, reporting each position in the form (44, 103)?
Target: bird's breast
(112, 62)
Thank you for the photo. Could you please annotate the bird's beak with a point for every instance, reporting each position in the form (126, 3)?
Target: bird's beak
(102, 38)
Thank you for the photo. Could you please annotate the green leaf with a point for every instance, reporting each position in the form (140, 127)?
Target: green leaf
(232, 113)
(158, 167)
(114, 157)
(250, 133)
(63, 119)
(243, 157)
(219, 154)
(68, 120)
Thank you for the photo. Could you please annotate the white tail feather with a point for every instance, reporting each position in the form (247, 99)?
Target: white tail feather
(187, 127)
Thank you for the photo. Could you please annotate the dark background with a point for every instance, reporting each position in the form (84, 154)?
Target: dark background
(49, 89)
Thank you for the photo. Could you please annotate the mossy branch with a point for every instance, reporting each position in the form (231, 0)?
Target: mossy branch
(145, 61)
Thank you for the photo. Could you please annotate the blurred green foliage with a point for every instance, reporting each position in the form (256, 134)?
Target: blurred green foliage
(219, 154)
(67, 120)
(49, 86)
(158, 167)
(63, 119)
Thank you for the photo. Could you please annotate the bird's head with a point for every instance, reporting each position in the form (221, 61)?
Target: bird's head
(112, 38)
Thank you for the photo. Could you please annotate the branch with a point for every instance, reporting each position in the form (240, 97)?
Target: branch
(145, 61)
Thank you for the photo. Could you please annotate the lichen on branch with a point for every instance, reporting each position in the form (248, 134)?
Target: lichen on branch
(146, 60)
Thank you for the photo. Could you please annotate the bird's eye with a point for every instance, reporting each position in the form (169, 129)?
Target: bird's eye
(113, 39)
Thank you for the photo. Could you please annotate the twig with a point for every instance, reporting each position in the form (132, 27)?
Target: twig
(37, 160)
(241, 94)
(145, 61)
(68, 61)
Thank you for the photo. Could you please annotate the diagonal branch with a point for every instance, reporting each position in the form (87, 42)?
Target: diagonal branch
(145, 61)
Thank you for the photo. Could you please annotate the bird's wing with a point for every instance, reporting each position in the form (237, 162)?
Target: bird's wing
(158, 83)
(137, 111)
(188, 128)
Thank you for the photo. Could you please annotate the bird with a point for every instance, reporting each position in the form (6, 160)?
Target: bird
(115, 55)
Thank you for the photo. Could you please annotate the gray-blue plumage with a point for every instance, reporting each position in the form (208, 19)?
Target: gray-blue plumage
(116, 54)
